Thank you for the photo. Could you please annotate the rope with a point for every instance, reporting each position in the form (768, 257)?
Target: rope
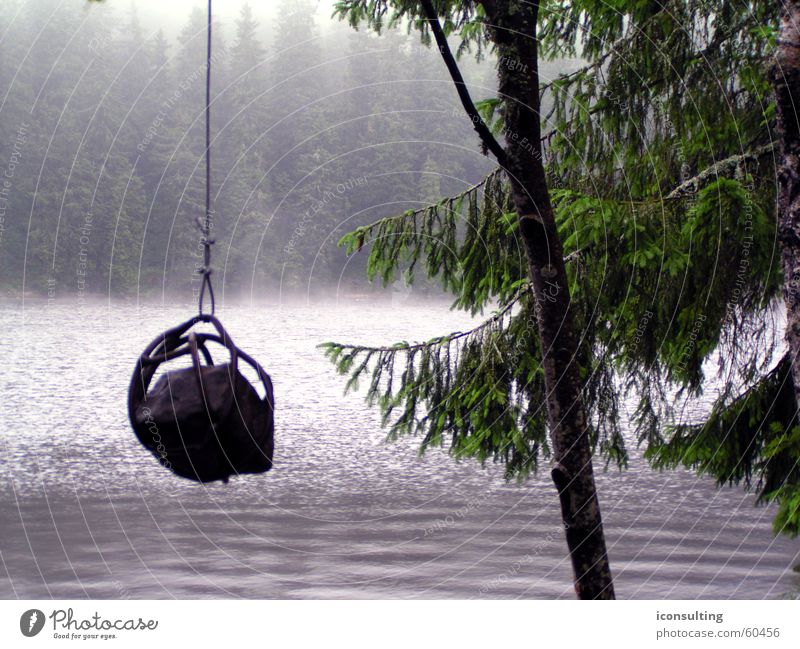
(205, 227)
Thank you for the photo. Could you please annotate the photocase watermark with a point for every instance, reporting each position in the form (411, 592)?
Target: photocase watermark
(641, 328)
(446, 522)
(66, 626)
(169, 103)
(85, 232)
(512, 137)
(122, 589)
(689, 345)
(328, 196)
(51, 291)
(521, 345)
(20, 137)
(31, 622)
(7, 181)
(526, 560)
(620, 102)
(152, 426)
(512, 64)
(99, 42)
(746, 239)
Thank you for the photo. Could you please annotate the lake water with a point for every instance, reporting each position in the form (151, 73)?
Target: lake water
(86, 512)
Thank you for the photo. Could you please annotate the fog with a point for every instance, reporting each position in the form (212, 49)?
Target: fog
(317, 129)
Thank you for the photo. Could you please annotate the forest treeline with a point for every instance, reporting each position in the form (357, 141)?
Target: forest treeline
(316, 129)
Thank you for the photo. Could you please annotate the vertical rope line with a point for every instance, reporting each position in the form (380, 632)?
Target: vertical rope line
(207, 224)
(208, 123)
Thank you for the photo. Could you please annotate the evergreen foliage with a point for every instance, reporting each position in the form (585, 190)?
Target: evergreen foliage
(661, 166)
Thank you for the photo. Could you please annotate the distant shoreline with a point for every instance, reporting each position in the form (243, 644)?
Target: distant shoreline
(348, 296)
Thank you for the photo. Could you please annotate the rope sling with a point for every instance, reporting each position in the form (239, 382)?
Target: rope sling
(205, 422)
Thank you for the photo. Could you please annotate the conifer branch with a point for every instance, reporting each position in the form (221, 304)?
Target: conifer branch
(627, 41)
(408, 214)
(439, 340)
(480, 126)
(455, 335)
(688, 187)
(692, 185)
(569, 75)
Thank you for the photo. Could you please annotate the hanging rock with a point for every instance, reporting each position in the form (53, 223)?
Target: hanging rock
(204, 422)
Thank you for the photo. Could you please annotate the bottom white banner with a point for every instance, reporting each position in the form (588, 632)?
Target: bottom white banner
(462, 624)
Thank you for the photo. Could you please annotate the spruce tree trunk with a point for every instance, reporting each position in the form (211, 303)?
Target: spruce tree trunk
(513, 26)
(786, 79)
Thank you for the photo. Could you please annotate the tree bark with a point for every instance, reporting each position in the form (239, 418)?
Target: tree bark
(786, 80)
(513, 28)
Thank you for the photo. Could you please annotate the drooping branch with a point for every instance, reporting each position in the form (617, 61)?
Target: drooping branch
(358, 238)
(721, 168)
(480, 126)
(468, 242)
(439, 340)
(474, 389)
(411, 214)
(737, 436)
(623, 45)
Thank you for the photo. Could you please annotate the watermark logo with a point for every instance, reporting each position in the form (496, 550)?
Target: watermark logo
(31, 622)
